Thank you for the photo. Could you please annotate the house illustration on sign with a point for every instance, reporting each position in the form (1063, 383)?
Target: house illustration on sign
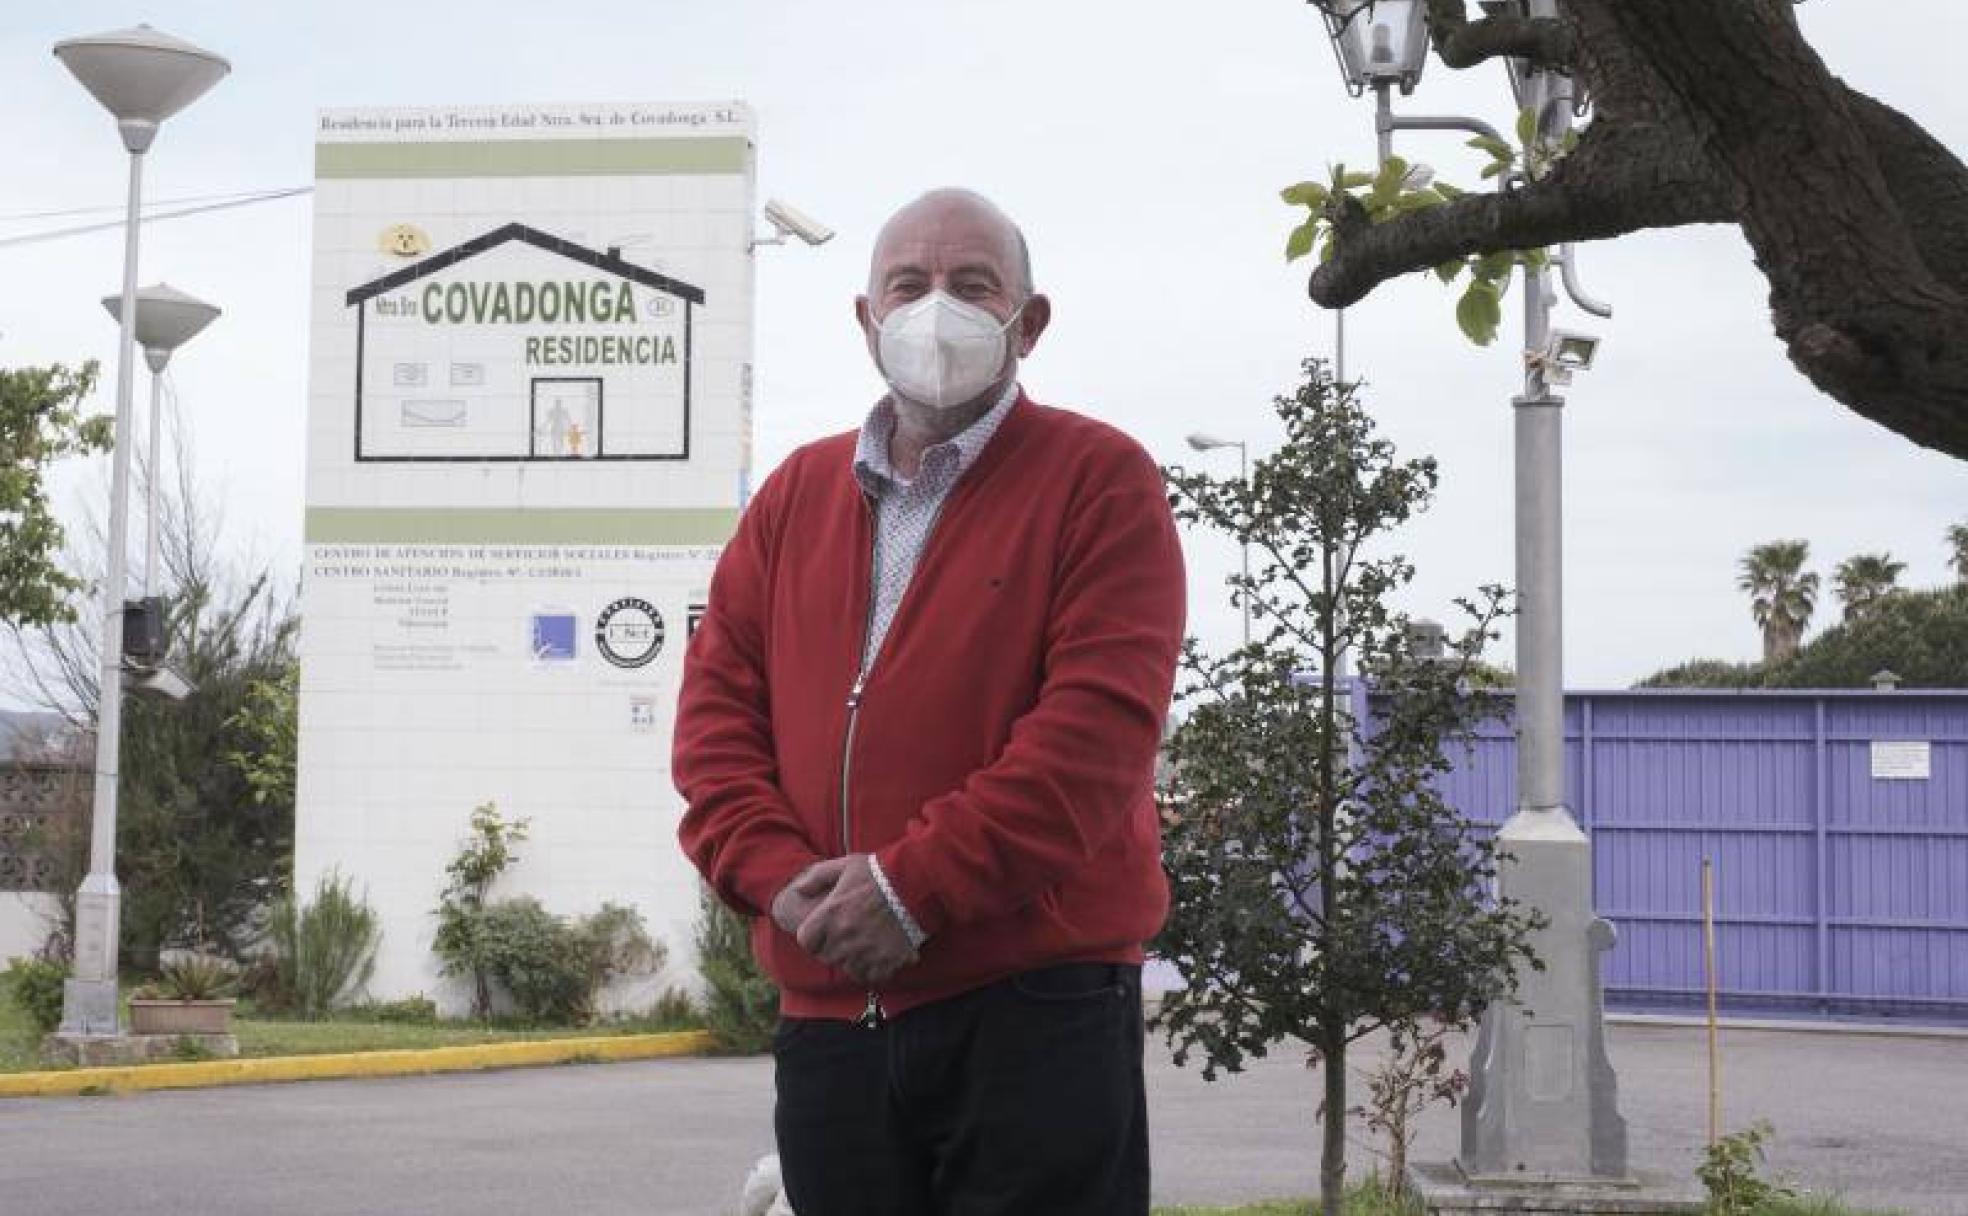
(521, 345)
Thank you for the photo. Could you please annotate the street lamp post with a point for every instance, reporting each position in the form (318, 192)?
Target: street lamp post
(1543, 1105)
(1208, 443)
(142, 77)
(166, 319)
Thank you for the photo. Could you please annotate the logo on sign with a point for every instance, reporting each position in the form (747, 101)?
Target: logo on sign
(553, 635)
(629, 632)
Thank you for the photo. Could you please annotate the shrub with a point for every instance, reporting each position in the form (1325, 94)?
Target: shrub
(322, 951)
(554, 968)
(1707, 673)
(741, 1004)
(674, 1009)
(193, 977)
(1731, 1173)
(460, 942)
(417, 1010)
(35, 986)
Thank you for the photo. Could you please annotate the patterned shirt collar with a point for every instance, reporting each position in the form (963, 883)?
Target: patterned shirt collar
(950, 458)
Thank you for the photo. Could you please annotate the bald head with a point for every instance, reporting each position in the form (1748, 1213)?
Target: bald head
(956, 243)
(954, 218)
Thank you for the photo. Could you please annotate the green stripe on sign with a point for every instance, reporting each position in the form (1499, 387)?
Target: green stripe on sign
(564, 526)
(534, 157)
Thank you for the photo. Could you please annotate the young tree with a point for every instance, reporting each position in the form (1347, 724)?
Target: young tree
(1782, 595)
(1712, 113)
(1957, 541)
(203, 845)
(1321, 886)
(1865, 579)
(40, 422)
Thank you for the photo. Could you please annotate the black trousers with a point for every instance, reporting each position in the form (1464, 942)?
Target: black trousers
(1022, 1097)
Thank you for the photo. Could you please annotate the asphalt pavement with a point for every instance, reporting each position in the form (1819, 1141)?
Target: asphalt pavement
(1882, 1120)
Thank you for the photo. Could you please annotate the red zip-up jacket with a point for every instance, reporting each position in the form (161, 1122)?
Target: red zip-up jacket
(1000, 761)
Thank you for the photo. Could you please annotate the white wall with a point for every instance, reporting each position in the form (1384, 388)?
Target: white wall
(25, 919)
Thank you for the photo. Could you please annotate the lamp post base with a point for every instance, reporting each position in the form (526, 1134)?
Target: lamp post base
(89, 1010)
(89, 996)
(1543, 1097)
(1445, 1190)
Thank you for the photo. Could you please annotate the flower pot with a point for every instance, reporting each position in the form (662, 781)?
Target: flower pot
(180, 1017)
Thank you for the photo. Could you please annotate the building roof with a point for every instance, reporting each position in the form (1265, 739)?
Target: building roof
(611, 262)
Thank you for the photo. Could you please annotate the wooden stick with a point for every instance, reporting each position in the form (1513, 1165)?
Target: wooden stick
(1708, 967)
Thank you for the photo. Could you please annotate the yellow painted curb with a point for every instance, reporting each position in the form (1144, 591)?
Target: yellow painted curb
(201, 1073)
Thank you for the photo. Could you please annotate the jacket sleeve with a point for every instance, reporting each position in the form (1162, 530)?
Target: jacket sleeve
(737, 826)
(1080, 762)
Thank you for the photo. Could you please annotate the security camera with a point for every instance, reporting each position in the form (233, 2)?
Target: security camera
(788, 219)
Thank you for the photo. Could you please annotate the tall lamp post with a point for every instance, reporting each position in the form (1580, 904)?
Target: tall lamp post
(142, 77)
(166, 319)
(1209, 443)
(1543, 1112)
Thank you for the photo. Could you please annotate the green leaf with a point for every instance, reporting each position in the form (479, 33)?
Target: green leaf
(1299, 243)
(1495, 147)
(1305, 194)
(1495, 167)
(1387, 183)
(1353, 181)
(1447, 191)
(1480, 312)
(1448, 271)
(1495, 265)
(1527, 128)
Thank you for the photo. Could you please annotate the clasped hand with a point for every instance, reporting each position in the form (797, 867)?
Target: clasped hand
(838, 914)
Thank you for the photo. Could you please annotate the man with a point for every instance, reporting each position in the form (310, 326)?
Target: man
(917, 734)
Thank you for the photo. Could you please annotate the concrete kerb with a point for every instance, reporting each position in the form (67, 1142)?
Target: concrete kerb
(205, 1073)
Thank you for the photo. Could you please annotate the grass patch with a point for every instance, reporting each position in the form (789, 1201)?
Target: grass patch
(20, 1044)
(1817, 1205)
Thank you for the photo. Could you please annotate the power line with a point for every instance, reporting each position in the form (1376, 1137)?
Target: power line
(35, 238)
(65, 212)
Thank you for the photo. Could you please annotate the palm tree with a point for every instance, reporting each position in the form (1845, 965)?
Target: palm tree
(1865, 579)
(1957, 539)
(1781, 594)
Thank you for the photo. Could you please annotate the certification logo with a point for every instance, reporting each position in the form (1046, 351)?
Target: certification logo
(629, 632)
(553, 634)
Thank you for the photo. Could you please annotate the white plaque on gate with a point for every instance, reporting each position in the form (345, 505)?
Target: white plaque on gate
(1902, 761)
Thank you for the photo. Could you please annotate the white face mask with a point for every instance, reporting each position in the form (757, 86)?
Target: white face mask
(941, 352)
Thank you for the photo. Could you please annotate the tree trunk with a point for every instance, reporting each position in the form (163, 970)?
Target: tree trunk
(1332, 1157)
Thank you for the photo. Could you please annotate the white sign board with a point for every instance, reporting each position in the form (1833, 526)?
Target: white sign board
(1902, 761)
(528, 438)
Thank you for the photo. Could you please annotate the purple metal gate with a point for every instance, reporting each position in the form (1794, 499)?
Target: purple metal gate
(1837, 822)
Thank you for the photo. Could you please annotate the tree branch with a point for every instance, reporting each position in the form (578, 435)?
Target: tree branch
(1722, 113)
(1462, 43)
(1623, 176)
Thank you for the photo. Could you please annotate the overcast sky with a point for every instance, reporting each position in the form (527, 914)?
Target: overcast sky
(1141, 145)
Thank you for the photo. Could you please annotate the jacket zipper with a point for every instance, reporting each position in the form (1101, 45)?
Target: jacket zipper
(872, 1015)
